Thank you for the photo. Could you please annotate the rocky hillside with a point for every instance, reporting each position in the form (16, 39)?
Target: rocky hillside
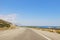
(4, 24)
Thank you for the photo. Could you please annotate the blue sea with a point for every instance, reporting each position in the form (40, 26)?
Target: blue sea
(48, 26)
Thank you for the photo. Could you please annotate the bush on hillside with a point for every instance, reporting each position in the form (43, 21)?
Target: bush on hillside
(4, 24)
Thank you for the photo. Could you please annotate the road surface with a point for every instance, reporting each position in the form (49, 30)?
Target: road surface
(27, 34)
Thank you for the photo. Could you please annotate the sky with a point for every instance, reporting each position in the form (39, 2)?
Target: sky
(31, 12)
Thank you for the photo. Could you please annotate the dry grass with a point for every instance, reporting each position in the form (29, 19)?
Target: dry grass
(50, 30)
(5, 28)
(57, 31)
(12, 27)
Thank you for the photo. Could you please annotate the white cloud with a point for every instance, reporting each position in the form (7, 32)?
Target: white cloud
(9, 17)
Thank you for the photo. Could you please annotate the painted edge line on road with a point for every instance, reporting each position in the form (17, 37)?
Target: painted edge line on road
(45, 36)
(42, 35)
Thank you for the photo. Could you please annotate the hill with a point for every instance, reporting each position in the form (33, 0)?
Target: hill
(4, 23)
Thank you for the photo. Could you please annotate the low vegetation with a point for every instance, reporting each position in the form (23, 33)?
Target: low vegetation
(49, 29)
(5, 25)
(57, 31)
(52, 30)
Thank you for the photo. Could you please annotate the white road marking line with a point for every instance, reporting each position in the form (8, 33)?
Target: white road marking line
(43, 35)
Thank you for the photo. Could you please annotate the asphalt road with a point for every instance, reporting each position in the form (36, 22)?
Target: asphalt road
(29, 35)
(26, 35)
